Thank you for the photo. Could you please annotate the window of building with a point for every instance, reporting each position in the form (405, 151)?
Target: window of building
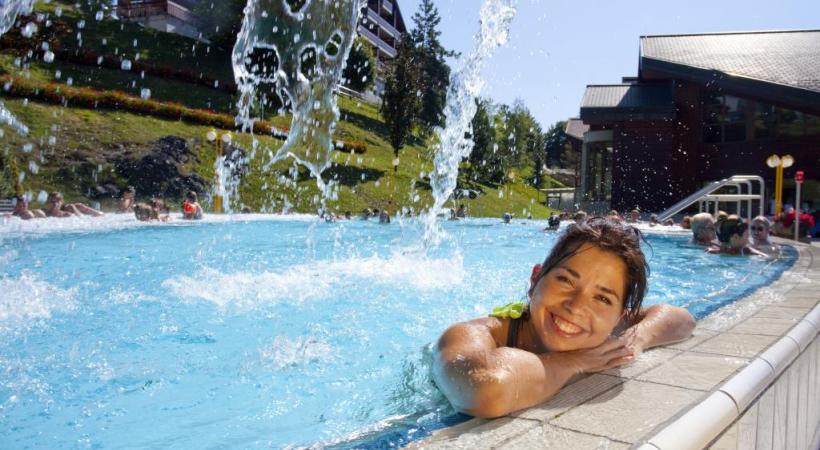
(774, 122)
(599, 172)
(763, 121)
(724, 118)
(812, 125)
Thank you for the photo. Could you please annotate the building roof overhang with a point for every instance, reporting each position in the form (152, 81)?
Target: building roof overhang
(628, 102)
(781, 67)
(795, 97)
(576, 128)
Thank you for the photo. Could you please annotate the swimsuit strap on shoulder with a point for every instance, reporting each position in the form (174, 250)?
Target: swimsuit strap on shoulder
(514, 311)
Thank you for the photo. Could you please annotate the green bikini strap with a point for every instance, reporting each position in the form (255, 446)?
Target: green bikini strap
(512, 310)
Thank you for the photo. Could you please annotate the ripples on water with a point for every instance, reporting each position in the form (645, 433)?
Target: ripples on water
(245, 333)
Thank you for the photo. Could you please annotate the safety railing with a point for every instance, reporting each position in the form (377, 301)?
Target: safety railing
(750, 189)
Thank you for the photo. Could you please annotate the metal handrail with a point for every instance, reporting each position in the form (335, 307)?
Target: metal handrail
(706, 197)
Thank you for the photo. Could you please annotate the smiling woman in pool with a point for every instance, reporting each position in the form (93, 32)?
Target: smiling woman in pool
(587, 291)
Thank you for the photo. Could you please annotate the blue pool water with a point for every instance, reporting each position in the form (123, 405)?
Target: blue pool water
(267, 333)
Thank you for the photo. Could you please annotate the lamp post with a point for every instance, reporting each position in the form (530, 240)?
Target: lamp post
(779, 163)
(219, 139)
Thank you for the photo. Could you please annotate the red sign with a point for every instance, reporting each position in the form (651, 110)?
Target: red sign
(798, 177)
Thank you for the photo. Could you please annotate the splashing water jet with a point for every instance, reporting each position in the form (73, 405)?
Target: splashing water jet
(9, 10)
(296, 49)
(465, 87)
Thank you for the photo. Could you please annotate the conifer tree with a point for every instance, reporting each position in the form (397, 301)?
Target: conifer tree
(434, 78)
(360, 70)
(400, 102)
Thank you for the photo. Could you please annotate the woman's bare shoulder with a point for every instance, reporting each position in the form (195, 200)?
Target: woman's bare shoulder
(478, 331)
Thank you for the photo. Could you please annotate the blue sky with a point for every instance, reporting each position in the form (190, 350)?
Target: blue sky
(558, 47)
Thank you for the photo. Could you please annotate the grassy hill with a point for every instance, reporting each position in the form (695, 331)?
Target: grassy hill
(72, 149)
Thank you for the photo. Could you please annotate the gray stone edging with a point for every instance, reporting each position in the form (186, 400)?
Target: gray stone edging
(610, 408)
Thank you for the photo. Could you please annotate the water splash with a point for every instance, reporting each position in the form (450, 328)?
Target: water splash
(9, 10)
(296, 49)
(465, 87)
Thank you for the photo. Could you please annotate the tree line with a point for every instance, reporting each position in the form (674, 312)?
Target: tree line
(507, 138)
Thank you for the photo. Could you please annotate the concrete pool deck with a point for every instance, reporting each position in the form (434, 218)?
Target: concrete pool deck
(645, 405)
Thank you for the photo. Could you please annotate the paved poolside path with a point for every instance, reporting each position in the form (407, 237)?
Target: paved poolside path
(619, 409)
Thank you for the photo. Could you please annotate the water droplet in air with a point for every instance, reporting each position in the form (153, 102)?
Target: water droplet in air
(126, 64)
(145, 93)
(28, 30)
(99, 16)
(48, 57)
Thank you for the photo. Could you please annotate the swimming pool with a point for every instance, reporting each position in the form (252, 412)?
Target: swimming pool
(263, 332)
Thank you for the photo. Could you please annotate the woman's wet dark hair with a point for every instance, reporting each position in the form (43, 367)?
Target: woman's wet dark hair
(729, 227)
(609, 235)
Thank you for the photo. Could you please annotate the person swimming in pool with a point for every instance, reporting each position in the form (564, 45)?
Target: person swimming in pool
(584, 315)
(703, 230)
(191, 210)
(760, 229)
(733, 235)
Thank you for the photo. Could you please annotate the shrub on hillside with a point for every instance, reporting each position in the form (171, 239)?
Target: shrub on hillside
(91, 98)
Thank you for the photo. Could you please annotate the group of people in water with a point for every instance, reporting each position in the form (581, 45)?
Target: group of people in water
(153, 210)
(583, 312)
(730, 235)
(726, 234)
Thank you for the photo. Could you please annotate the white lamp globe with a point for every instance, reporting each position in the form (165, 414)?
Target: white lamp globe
(773, 161)
(787, 160)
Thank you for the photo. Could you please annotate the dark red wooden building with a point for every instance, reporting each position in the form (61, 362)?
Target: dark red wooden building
(703, 107)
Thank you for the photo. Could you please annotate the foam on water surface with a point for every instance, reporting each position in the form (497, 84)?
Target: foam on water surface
(26, 299)
(314, 281)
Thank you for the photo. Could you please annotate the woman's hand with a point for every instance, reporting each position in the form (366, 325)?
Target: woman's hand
(614, 352)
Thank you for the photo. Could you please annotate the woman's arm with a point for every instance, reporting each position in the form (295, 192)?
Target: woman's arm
(485, 380)
(659, 325)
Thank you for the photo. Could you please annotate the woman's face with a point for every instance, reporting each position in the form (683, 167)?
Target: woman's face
(580, 301)
(760, 232)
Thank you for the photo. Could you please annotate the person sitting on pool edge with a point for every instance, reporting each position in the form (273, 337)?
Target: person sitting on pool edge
(588, 289)
(733, 235)
(56, 208)
(703, 229)
(22, 210)
(191, 210)
(127, 201)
